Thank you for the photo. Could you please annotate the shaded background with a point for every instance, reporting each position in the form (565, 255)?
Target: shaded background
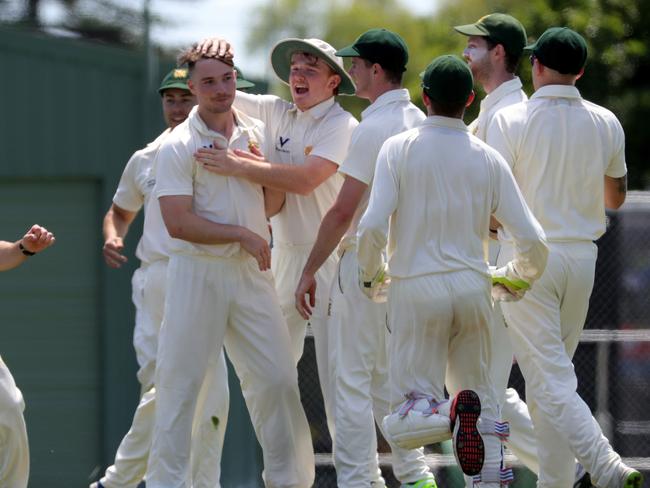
(79, 97)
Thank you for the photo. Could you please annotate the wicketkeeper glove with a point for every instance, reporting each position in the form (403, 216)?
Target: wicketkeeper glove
(376, 288)
(507, 285)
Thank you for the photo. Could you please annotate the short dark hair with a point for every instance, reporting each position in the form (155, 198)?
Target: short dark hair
(392, 75)
(192, 55)
(448, 109)
(512, 61)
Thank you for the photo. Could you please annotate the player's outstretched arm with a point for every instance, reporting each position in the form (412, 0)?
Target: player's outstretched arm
(334, 225)
(115, 227)
(183, 223)
(13, 254)
(301, 179)
(372, 235)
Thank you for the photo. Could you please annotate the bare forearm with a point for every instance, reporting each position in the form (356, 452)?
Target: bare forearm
(282, 177)
(116, 223)
(331, 231)
(193, 228)
(10, 255)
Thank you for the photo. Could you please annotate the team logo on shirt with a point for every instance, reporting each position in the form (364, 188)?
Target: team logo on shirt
(280, 145)
(150, 183)
(308, 150)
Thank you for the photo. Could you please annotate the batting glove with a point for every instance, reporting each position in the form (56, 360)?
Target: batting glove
(507, 285)
(376, 288)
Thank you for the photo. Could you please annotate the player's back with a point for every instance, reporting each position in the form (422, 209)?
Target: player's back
(446, 186)
(560, 147)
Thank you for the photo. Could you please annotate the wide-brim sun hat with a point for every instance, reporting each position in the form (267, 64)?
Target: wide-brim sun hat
(281, 60)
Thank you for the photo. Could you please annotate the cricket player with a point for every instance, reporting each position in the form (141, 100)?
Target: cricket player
(14, 454)
(568, 157)
(220, 291)
(310, 139)
(495, 45)
(134, 192)
(437, 185)
(357, 324)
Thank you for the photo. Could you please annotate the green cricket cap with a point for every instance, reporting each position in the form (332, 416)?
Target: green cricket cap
(176, 78)
(242, 82)
(561, 49)
(447, 79)
(503, 29)
(379, 46)
(283, 50)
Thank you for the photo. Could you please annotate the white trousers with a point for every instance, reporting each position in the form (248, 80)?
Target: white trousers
(441, 327)
(545, 328)
(211, 415)
(358, 326)
(14, 450)
(211, 302)
(287, 263)
(513, 410)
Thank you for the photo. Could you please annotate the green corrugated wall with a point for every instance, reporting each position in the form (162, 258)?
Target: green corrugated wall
(72, 112)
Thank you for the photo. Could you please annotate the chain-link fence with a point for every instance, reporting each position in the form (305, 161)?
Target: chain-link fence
(612, 362)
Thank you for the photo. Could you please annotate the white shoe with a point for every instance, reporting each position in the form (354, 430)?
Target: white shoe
(419, 421)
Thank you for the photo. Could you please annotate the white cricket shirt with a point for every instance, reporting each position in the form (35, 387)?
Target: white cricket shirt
(221, 199)
(324, 131)
(390, 114)
(135, 190)
(438, 186)
(507, 93)
(560, 147)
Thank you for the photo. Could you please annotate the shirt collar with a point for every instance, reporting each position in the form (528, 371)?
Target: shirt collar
(317, 111)
(503, 90)
(557, 91)
(197, 122)
(448, 122)
(386, 98)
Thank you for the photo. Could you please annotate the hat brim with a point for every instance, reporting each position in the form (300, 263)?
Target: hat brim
(281, 62)
(530, 47)
(471, 30)
(244, 84)
(179, 85)
(348, 52)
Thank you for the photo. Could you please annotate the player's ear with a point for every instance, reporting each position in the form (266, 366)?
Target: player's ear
(579, 75)
(426, 100)
(190, 85)
(470, 99)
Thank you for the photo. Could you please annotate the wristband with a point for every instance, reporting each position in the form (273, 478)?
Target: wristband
(26, 252)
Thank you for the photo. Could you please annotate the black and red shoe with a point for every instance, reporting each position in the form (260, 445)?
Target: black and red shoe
(469, 449)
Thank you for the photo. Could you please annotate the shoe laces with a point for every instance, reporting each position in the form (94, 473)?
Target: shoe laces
(412, 398)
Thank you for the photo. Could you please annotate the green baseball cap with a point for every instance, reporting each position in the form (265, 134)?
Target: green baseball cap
(242, 82)
(501, 28)
(447, 79)
(561, 49)
(379, 46)
(176, 78)
(281, 60)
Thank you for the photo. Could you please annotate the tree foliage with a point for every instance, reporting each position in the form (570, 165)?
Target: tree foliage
(617, 32)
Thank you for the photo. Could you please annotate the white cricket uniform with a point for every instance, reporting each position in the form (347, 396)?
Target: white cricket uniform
(135, 191)
(513, 410)
(560, 147)
(14, 449)
(216, 294)
(437, 185)
(358, 324)
(324, 131)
